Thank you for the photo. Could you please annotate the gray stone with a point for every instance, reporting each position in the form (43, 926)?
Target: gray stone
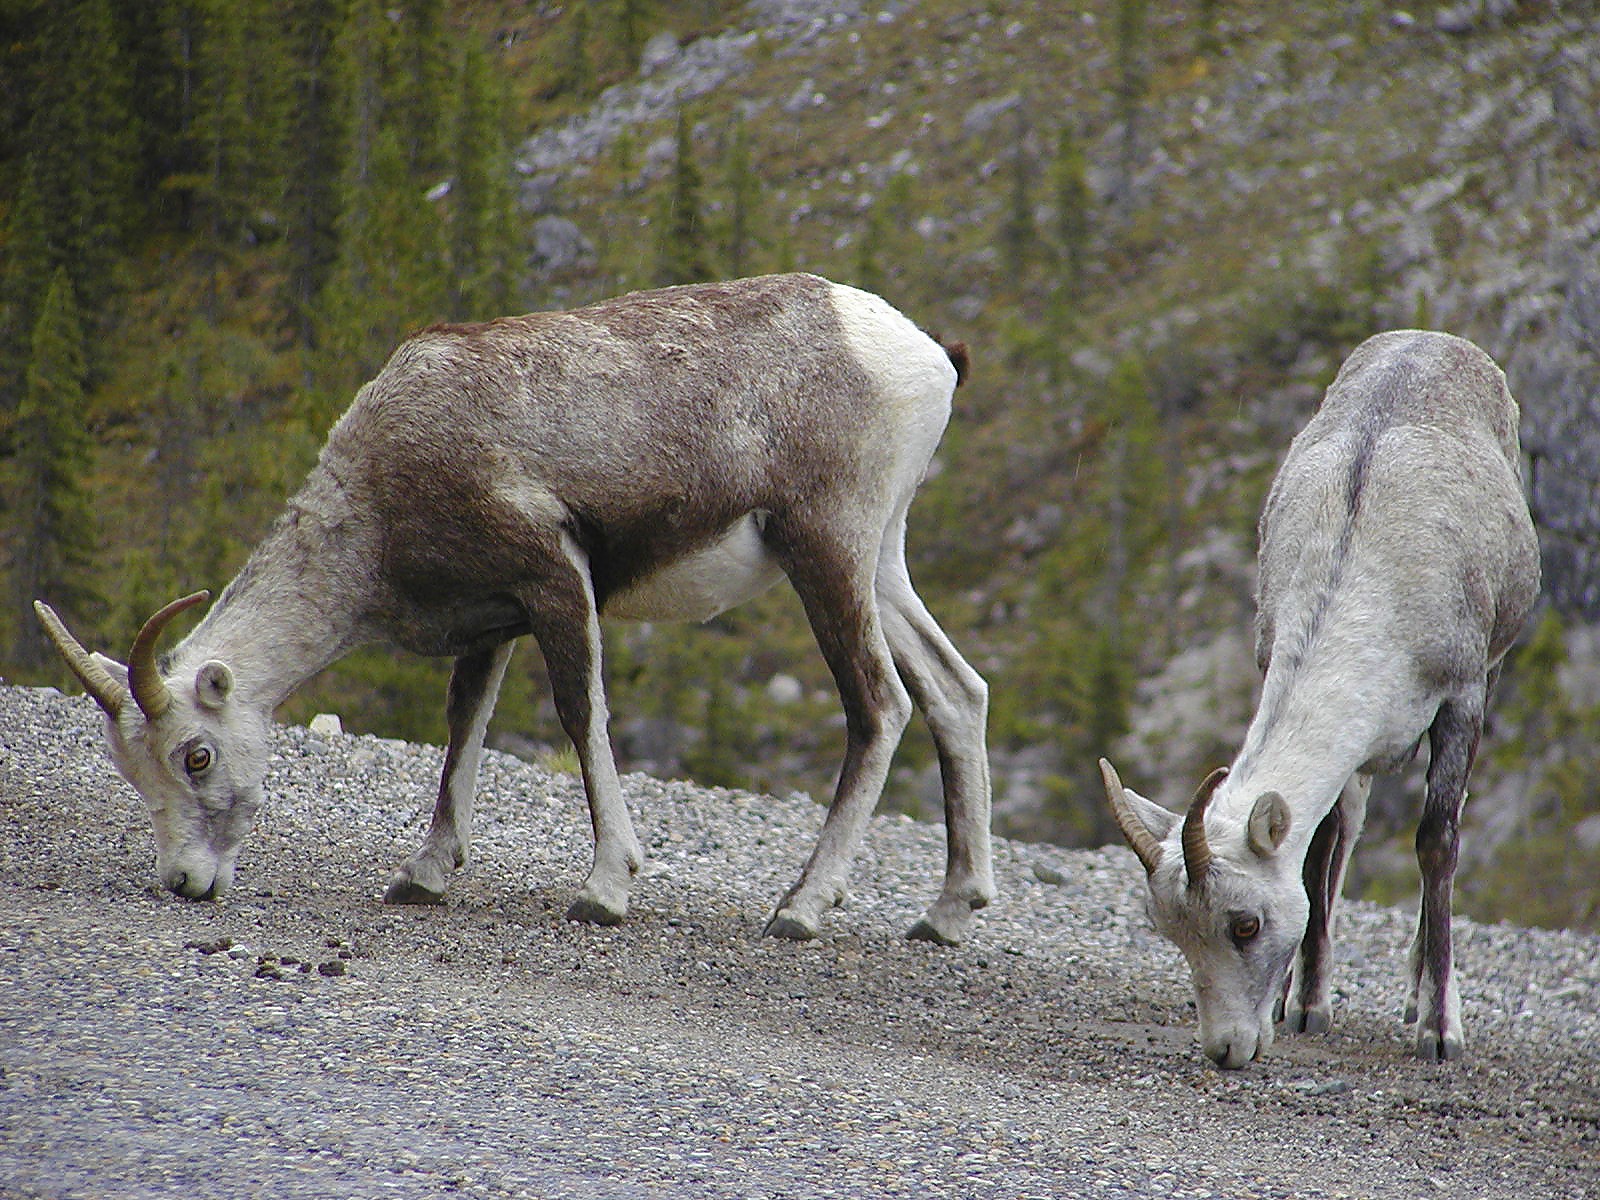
(559, 245)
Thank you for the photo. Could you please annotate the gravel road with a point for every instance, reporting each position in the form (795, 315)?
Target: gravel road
(300, 1039)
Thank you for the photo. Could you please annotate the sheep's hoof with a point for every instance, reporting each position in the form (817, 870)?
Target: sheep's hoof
(405, 890)
(1431, 1047)
(948, 922)
(786, 924)
(926, 931)
(1309, 1020)
(590, 909)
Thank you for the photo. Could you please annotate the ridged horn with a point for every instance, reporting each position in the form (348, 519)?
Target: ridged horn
(150, 691)
(1143, 842)
(97, 681)
(1196, 851)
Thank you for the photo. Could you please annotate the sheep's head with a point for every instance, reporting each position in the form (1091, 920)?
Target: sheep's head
(194, 754)
(1229, 900)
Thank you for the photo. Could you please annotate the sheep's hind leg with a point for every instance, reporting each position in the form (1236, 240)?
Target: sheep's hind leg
(1435, 1001)
(836, 587)
(474, 687)
(955, 700)
(1308, 1006)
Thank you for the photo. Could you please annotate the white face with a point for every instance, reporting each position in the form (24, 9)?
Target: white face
(199, 769)
(1238, 935)
(1239, 928)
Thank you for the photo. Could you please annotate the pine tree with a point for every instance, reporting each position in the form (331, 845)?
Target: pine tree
(1072, 213)
(1135, 486)
(424, 85)
(216, 145)
(1207, 43)
(483, 211)
(743, 190)
(160, 38)
(319, 140)
(1017, 235)
(1132, 83)
(245, 121)
(577, 73)
(631, 21)
(869, 261)
(25, 271)
(1069, 180)
(80, 148)
(54, 530)
(680, 249)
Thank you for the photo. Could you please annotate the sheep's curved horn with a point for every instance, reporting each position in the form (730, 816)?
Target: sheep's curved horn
(150, 691)
(1196, 851)
(1143, 842)
(97, 681)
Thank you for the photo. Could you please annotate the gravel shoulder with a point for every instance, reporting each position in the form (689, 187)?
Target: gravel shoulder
(303, 1040)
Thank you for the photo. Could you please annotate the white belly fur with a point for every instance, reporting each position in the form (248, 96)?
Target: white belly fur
(733, 569)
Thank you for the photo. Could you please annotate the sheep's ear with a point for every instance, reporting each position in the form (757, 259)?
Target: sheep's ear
(1143, 824)
(213, 683)
(112, 668)
(1159, 821)
(1269, 824)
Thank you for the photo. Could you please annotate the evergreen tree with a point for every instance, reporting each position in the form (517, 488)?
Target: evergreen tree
(160, 37)
(236, 132)
(54, 531)
(1132, 83)
(25, 272)
(1017, 235)
(743, 191)
(680, 250)
(219, 131)
(483, 211)
(1069, 180)
(631, 22)
(319, 133)
(1073, 214)
(577, 73)
(374, 297)
(424, 85)
(1207, 43)
(1135, 485)
(249, 139)
(80, 149)
(869, 266)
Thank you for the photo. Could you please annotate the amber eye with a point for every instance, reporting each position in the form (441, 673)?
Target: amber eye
(197, 760)
(1245, 928)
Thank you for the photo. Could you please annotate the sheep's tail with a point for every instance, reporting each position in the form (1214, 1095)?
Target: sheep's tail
(959, 358)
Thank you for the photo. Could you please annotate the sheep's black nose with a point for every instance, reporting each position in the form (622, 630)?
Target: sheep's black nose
(179, 883)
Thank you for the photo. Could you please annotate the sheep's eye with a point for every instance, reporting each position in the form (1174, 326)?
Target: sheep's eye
(1245, 928)
(197, 760)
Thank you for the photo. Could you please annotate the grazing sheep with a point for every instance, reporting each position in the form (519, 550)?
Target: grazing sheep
(1397, 564)
(662, 455)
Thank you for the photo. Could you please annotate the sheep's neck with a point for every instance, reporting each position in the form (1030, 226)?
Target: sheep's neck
(295, 607)
(1316, 725)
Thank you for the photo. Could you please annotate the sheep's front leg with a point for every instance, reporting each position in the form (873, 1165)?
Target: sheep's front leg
(474, 687)
(567, 626)
(836, 588)
(1308, 1005)
(1435, 1002)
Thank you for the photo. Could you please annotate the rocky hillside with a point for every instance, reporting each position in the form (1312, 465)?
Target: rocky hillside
(1294, 182)
(1160, 229)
